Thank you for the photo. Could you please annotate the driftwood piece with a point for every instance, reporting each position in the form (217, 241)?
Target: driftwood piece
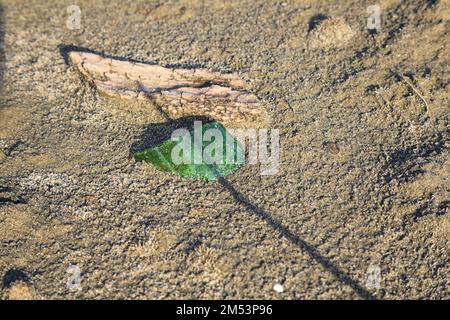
(178, 92)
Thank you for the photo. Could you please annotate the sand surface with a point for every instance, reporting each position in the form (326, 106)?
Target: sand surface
(363, 183)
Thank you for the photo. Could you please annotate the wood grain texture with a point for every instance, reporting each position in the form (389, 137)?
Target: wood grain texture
(178, 92)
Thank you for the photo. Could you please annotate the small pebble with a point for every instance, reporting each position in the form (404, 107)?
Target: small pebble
(278, 288)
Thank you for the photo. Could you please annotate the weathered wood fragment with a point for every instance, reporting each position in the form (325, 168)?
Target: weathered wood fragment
(178, 92)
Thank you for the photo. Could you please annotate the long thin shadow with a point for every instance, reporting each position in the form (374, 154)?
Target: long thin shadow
(302, 244)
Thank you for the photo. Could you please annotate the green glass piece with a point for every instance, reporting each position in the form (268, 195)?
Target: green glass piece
(205, 157)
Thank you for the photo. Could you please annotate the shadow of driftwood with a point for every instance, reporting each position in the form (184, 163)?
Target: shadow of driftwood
(65, 49)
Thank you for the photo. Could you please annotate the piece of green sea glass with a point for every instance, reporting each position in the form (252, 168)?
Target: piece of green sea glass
(206, 156)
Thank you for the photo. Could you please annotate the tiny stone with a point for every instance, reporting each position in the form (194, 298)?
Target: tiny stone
(278, 288)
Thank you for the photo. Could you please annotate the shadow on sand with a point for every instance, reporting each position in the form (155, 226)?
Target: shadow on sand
(296, 240)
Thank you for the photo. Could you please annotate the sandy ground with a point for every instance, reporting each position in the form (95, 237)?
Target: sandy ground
(363, 183)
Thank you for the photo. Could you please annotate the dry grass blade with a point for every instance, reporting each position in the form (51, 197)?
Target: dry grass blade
(410, 84)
